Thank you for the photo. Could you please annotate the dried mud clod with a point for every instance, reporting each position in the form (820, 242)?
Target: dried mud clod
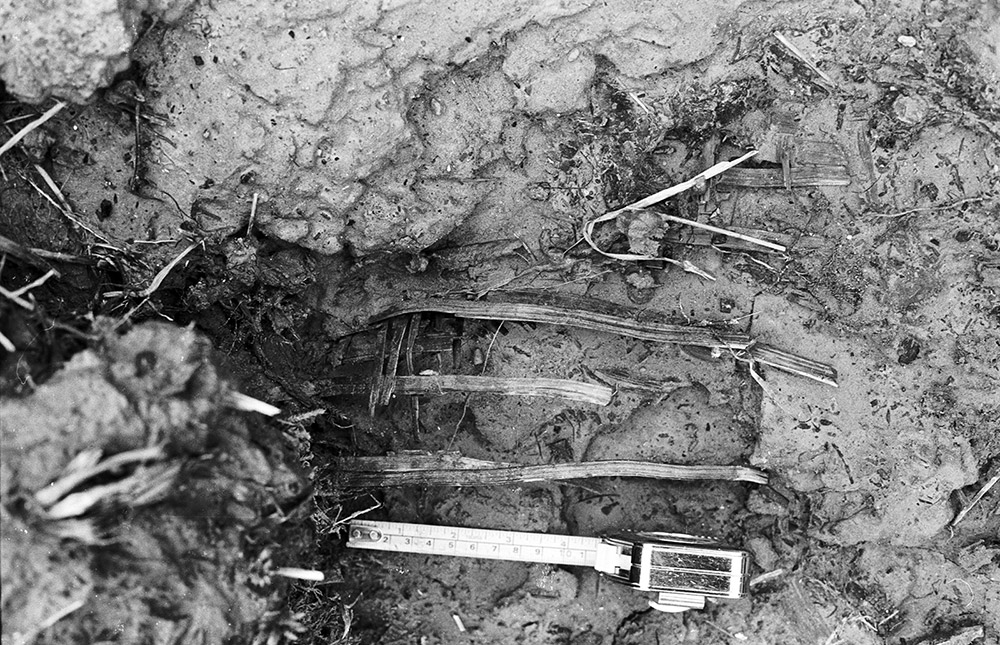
(316, 167)
(132, 493)
(72, 49)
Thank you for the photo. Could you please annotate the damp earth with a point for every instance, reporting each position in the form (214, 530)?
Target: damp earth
(207, 207)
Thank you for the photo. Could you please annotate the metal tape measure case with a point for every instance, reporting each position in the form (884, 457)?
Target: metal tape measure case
(684, 570)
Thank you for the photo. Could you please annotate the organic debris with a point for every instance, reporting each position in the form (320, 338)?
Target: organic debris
(118, 440)
(797, 53)
(23, 132)
(412, 468)
(984, 489)
(961, 636)
(699, 179)
(588, 313)
(441, 383)
(799, 177)
(406, 156)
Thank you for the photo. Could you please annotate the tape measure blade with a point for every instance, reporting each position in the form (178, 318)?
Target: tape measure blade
(489, 544)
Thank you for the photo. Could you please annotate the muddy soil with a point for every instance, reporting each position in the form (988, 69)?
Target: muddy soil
(257, 183)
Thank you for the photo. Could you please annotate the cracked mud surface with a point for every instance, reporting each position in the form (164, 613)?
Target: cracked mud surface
(398, 152)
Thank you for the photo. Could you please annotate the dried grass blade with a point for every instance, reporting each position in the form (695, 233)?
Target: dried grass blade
(595, 315)
(300, 574)
(541, 387)
(588, 228)
(799, 176)
(156, 487)
(410, 468)
(83, 530)
(247, 403)
(728, 233)
(975, 500)
(23, 253)
(395, 347)
(142, 487)
(931, 209)
(17, 300)
(793, 364)
(375, 394)
(77, 504)
(53, 187)
(30, 637)
(165, 271)
(797, 53)
(26, 130)
(87, 464)
(623, 321)
(253, 213)
(353, 516)
(37, 283)
(63, 206)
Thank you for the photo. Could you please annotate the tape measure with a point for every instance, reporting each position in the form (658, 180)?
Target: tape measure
(683, 570)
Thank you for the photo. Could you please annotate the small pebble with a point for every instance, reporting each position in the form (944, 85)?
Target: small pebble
(907, 41)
